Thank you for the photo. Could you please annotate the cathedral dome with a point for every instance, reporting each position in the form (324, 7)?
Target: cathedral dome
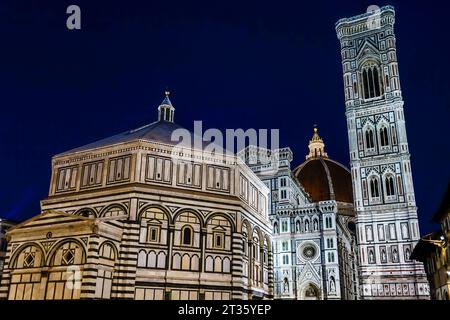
(323, 178)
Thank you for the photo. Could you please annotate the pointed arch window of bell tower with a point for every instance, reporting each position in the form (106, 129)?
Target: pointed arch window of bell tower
(384, 137)
(372, 86)
(370, 144)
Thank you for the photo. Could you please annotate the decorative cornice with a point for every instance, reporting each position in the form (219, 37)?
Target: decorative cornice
(364, 15)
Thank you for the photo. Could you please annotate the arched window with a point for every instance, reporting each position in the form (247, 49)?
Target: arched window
(69, 253)
(371, 81)
(389, 182)
(370, 141)
(187, 230)
(186, 236)
(256, 248)
(154, 225)
(226, 265)
(161, 263)
(30, 257)
(364, 187)
(399, 185)
(365, 84)
(245, 244)
(87, 213)
(394, 135)
(151, 259)
(384, 138)
(107, 251)
(275, 228)
(142, 258)
(328, 223)
(114, 211)
(374, 188)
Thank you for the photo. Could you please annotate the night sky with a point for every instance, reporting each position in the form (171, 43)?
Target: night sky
(230, 64)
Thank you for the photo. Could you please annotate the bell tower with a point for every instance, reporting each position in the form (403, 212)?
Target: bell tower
(387, 223)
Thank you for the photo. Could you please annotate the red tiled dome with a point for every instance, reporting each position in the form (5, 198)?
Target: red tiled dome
(325, 179)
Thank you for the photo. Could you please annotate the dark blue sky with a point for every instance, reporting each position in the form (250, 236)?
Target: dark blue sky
(230, 64)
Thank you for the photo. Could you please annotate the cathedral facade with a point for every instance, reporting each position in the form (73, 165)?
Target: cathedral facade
(387, 223)
(127, 218)
(311, 211)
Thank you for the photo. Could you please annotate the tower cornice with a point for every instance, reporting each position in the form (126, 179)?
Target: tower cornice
(360, 24)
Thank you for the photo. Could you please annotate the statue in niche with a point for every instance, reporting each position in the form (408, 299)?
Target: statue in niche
(407, 254)
(285, 285)
(332, 285)
(371, 256)
(394, 255)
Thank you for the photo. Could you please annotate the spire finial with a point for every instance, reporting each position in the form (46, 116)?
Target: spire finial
(316, 146)
(167, 92)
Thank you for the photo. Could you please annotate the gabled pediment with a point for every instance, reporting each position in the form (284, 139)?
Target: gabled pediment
(367, 51)
(219, 228)
(154, 221)
(373, 40)
(309, 273)
(46, 217)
